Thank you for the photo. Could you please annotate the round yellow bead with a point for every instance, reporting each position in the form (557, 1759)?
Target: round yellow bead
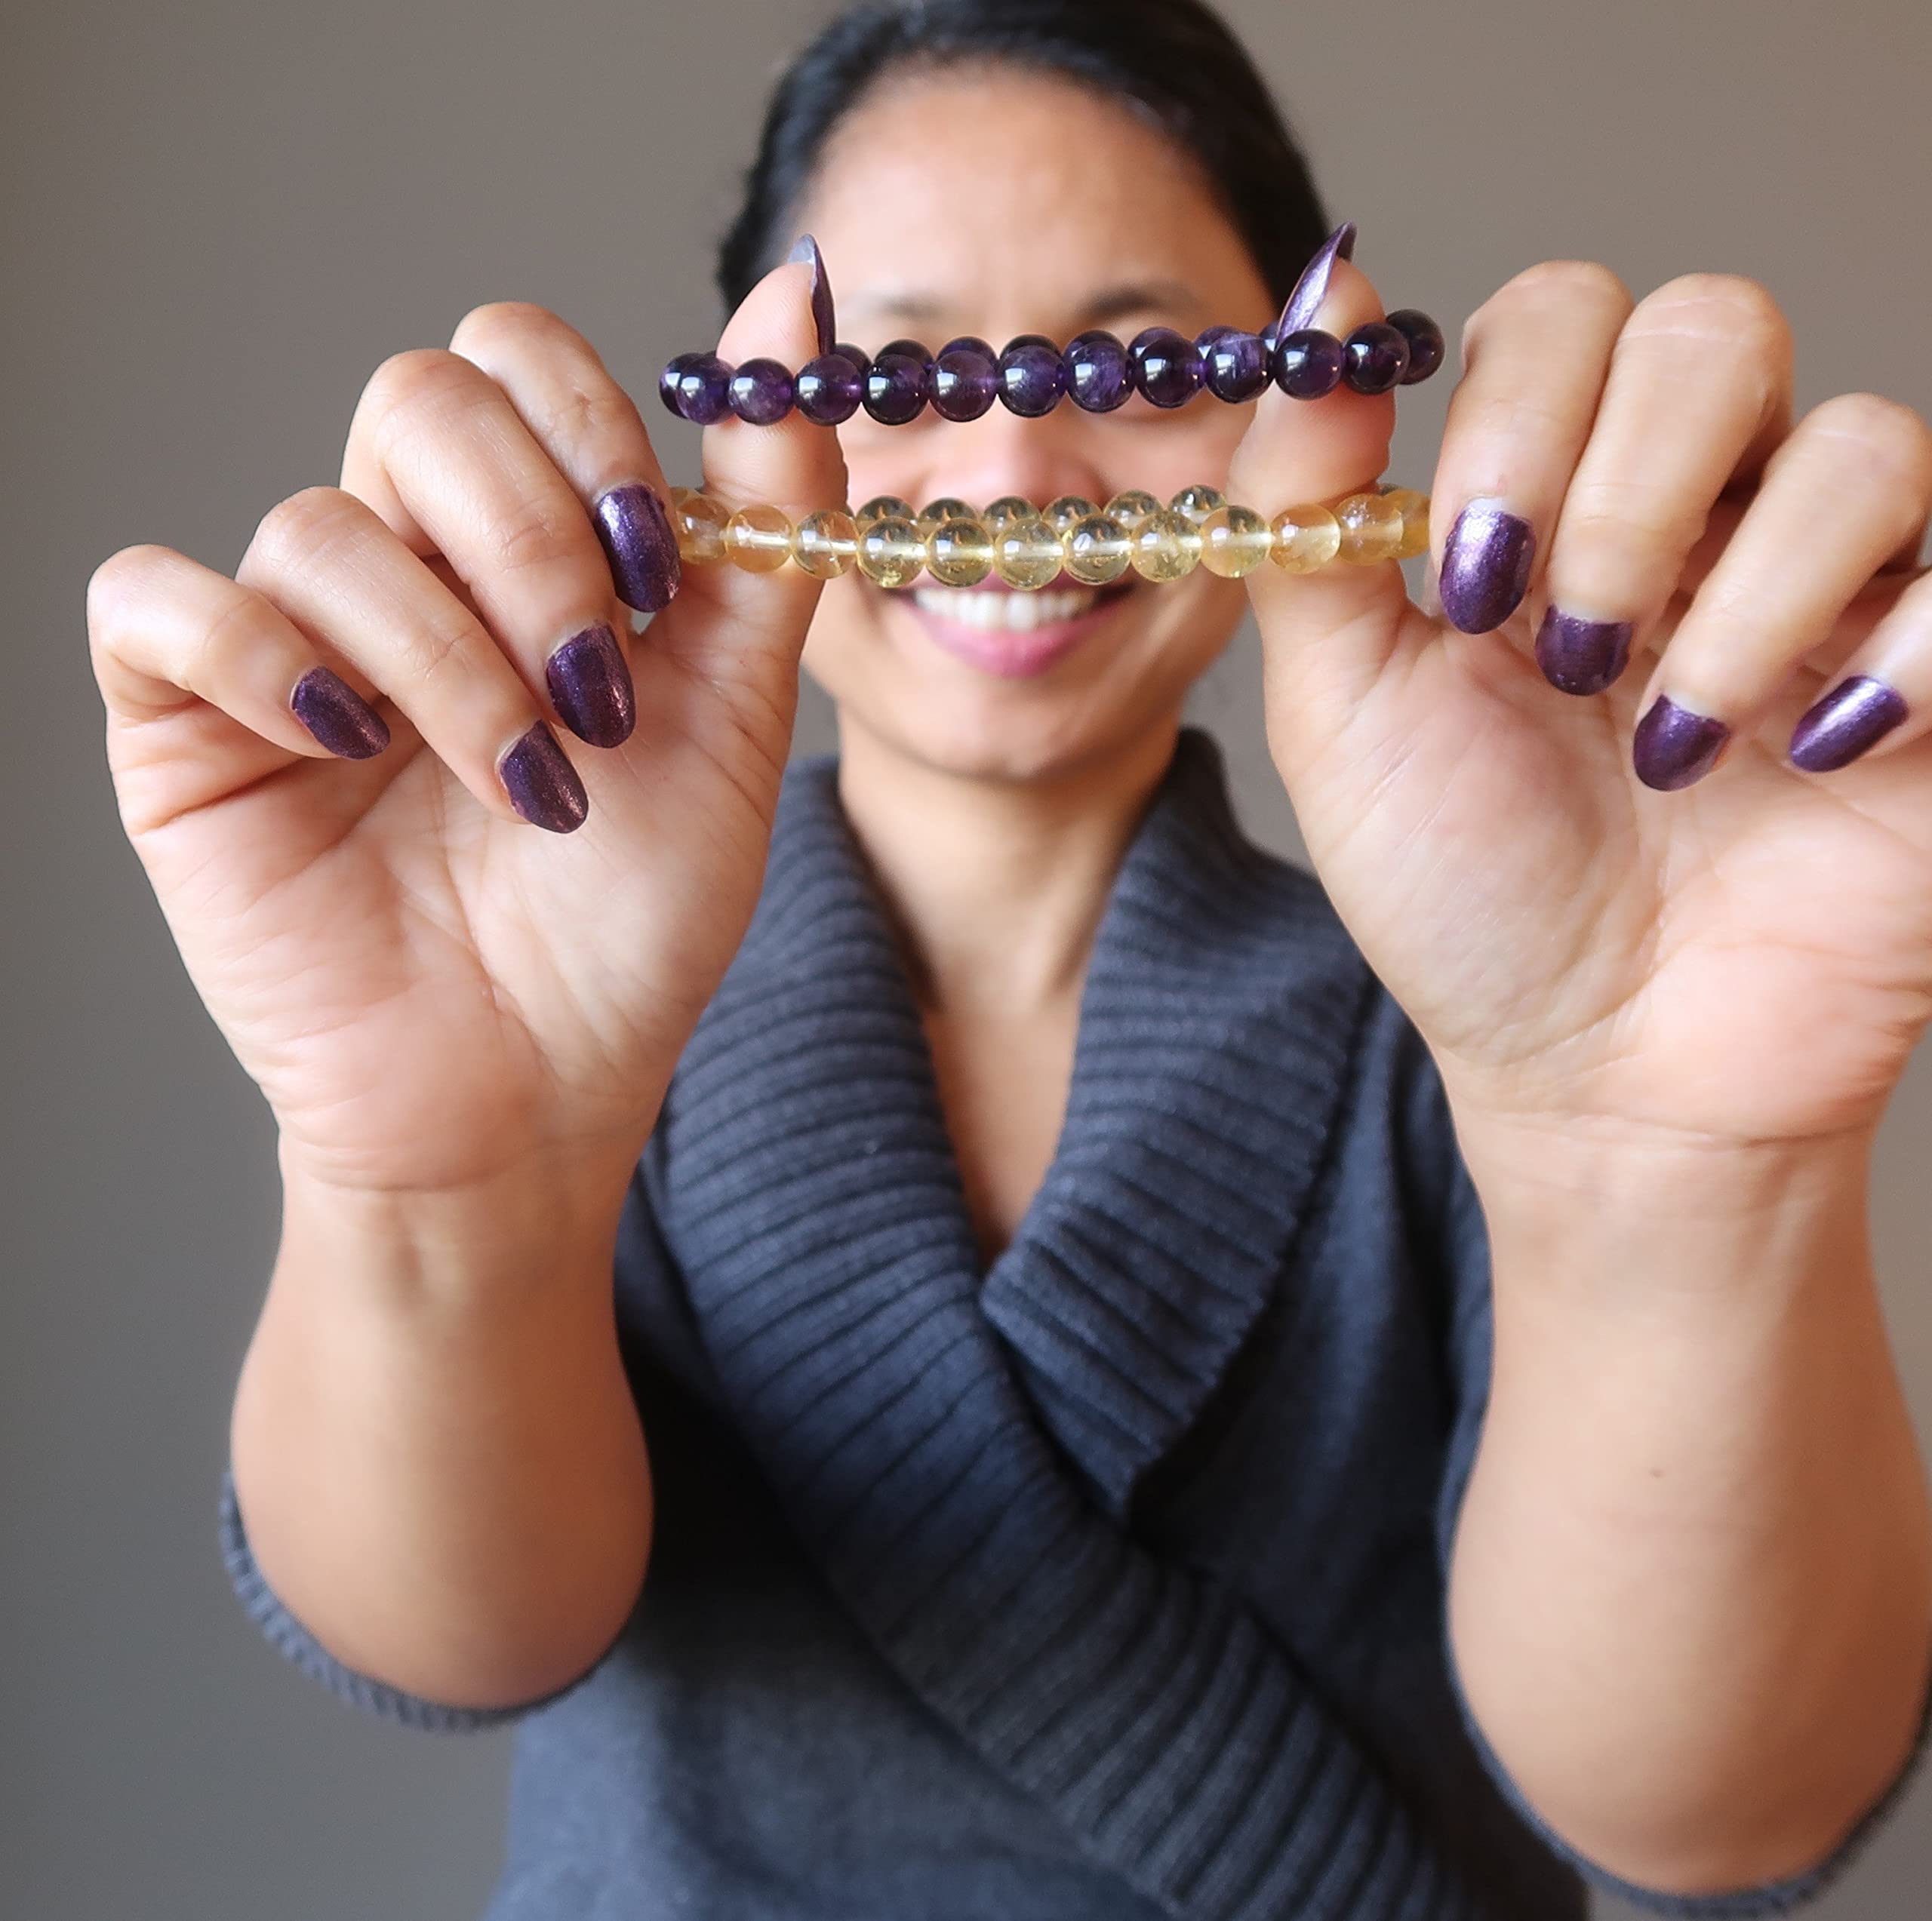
(699, 524)
(946, 508)
(826, 543)
(1165, 547)
(1371, 528)
(1234, 541)
(1131, 507)
(1414, 508)
(885, 506)
(891, 551)
(959, 553)
(1007, 508)
(1061, 514)
(759, 539)
(1098, 549)
(1306, 537)
(1027, 553)
(1194, 504)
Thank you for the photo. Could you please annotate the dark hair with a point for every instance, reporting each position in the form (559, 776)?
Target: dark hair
(1175, 61)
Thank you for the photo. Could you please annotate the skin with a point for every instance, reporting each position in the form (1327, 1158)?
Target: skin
(1691, 1597)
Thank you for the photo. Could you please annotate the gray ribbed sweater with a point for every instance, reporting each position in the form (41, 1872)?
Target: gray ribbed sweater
(1105, 1584)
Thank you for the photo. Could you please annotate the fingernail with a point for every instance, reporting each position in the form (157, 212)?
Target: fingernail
(543, 785)
(1674, 747)
(591, 684)
(1580, 656)
(806, 248)
(1485, 563)
(1839, 726)
(1304, 302)
(642, 550)
(338, 716)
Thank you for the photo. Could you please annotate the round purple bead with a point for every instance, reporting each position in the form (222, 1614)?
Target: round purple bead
(895, 387)
(697, 387)
(1166, 366)
(910, 349)
(1032, 376)
(1427, 344)
(857, 356)
(972, 340)
(1234, 367)
(965, 381)
(761, 392)
(1307, 364)
(829, 390)
(1374, 358)
(1099, 375)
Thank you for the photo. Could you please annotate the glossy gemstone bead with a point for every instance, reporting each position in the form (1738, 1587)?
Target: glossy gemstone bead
(697, 387)
(1165, 547)
(1131, 506)
(944, 508)
(1007, 508)
(761, 392)
(1098, 549)
(757, 539)
(1426, 346)
(1166, 366)
(1194, 504)
(1414, 509)
(825, 544)
(959, 553)
(911, 350)
(896, 389)
(1033, 340)
(1370, 528)
(857, 356)
(1306, 536)
(891, 551)
(1099, 374)
(699, 523)
(1060, 513)
(1374, 358)
(1031, 376)
(885, 506)
(828, 390)
(1307, 364)
(965, 382)
(1234, 365)
(1234, 541)
(1027, 554)
(972, 340)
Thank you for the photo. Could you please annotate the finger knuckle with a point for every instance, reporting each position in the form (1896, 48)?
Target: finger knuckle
(541, 537)
(1730, 307)
(119, 582)
(1880, 430)
(1635, 522)
(507, 326)
(1557, 284)
(305, 530)
(417, 381)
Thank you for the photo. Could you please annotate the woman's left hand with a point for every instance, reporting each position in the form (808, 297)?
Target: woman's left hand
(1656, 923)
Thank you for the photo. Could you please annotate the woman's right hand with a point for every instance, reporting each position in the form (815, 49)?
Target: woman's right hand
(430, 990)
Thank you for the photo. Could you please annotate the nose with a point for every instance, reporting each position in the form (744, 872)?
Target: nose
(1000, 453)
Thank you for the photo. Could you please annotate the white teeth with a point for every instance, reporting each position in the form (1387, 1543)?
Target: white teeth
(1016, 613)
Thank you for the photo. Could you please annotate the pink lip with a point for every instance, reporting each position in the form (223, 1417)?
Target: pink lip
(1011, 656)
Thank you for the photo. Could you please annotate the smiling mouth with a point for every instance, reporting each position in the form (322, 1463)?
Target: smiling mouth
(1004, 610)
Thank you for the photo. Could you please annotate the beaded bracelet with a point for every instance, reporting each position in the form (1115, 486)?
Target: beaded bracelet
(1032, 375)
(891, 542)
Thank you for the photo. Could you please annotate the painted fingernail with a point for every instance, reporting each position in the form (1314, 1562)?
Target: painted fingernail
(591, 684)
(1486, 564)
(641, 548)
(806, 248)
(1304, 302)
(543, 785)
(1580, 656)
(1674, 747)
(1839, 726)
(338, 716)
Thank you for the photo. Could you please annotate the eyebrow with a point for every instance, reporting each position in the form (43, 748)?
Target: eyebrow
(1108, 303)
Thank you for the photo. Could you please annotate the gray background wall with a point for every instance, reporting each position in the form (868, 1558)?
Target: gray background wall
(217, 217)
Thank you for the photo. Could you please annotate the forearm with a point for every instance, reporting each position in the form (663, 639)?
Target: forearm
(1691, 1601)
(436, 1452)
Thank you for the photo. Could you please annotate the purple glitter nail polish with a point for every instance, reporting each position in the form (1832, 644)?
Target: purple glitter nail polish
(1307, 364)
(542, 785)
(965, 381)
(1304, 301)
(828, 390)
(1166, 366)
(1100, 377)
(590, 683)
(824, 323)
(697, 387)
(1673, 747)
(640, 545)
(1582, 656)
(1374, 357)
(1485, 563)
(762, 392)
(895, 387)
(338, 716)
(1427, 344)
(1032, 377)
(1840, 724)
(1234, 365)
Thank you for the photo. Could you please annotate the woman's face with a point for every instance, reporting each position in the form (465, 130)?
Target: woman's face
(999, 203)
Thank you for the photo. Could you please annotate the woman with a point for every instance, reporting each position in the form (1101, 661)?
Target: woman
(1057, 1246)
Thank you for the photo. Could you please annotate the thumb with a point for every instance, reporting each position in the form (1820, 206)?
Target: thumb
(722, 612)
(1326, 635)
